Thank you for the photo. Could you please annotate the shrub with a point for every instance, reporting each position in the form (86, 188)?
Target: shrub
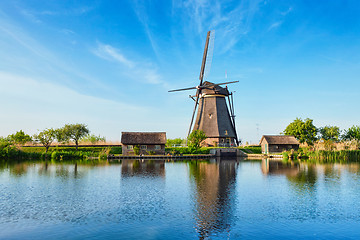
(151, 152)
(136, 149)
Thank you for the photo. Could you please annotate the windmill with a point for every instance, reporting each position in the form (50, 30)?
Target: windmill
(213, 115)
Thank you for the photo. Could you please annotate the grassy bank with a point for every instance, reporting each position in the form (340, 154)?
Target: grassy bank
(186, 150)
(322, 156)
(251, 149)
(8, 151)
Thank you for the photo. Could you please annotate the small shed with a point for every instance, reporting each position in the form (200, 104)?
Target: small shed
(278, 143)
(147, 142)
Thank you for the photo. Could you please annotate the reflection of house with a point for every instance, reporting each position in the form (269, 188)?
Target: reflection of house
(147, 142)
(131, 168)
(276, 144)
(279, 168)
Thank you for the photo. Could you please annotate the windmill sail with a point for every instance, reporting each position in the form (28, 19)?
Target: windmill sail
(209, 55)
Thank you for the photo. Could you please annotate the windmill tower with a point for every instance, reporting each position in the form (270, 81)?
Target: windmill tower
(213, 115)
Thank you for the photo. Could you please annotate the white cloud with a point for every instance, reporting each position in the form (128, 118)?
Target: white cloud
(290, 9)
(42, 60)
(34, 105)
(275, 25)
(109, 53)
(141, 13)
(230, 22)
(137, 70)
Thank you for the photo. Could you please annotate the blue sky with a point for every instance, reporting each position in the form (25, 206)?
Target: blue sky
(109, 64)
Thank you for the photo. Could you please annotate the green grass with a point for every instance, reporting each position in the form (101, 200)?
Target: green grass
(87, 150)
(253, 149)
(334, 156)
(186, 150)
(57, 153)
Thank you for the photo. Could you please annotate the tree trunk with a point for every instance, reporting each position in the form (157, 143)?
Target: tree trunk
(76, 142)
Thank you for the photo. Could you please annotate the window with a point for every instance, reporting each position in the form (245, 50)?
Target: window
(130, 147)
(157, 147)
(143, 147)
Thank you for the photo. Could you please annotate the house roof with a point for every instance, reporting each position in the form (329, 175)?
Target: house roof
(279, 139)
(143, 138)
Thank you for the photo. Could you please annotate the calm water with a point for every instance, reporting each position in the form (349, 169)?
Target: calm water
(199, 200)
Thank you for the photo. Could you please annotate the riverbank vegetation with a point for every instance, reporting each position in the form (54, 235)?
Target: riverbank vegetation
(324, 144)
(22, 146)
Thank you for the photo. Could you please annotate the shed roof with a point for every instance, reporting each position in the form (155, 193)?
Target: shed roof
(279, 139)
(143, 138)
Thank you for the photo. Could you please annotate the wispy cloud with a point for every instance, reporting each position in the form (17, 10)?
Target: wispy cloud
(275, 25)
(30, 16)
(35, 15)
(290, 9)
(140, 9)
(48, 63)
(31, 97)
(137, 70)
(108, 52)
(232, 20)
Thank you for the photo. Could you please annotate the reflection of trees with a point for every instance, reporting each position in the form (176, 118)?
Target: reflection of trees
(306, 177)
(305, 198)
(331, 173)
(66, 169)
(215, 183)
(14, 168)
(354, 168)
(143, 167)
(18, 169)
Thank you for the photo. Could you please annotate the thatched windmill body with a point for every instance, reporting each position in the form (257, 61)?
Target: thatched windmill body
(214, 116)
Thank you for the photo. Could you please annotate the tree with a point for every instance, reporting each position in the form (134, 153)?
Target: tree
(195, 139)
(20, 137)
(6, 148)
(352, 133)
(46, 137)
(75, 132)
(61, 136)
(175, 141)
(330, 133)
(93, 138)
(304, 131)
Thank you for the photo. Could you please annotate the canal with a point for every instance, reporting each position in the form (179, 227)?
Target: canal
(179, 200)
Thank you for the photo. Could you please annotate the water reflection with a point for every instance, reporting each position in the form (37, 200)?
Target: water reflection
(279, 167)
(65, 170)
(131, 168)
(215, 187)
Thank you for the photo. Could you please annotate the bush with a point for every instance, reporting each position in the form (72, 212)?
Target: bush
(285, 155)
(88, 151)
(54, 155)
(186, 150)
(151, 152)
(136, 149)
